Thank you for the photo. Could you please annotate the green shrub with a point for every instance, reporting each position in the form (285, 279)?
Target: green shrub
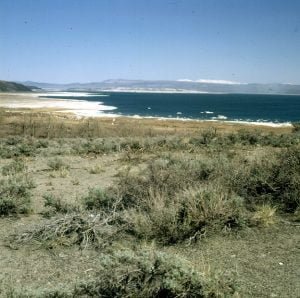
(17, 147)
(247, 137)
(96, 146)
(185, 216)
(144, 273)
(147, 274)
(14, 167)
(207, 137)
(13, 141)
(56, 205)
(57, 164)
(287, 179)
(98, 199)
(164, 175)
(275, 180)
(15, 196)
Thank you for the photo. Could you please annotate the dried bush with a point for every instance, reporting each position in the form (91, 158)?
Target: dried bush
(264, 216)
(72, 229)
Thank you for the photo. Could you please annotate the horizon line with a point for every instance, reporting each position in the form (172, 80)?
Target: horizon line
(200, 81)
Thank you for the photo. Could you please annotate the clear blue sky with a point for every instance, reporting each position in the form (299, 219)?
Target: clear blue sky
(94, 40)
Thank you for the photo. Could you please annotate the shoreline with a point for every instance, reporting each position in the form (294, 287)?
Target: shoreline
(96, 109)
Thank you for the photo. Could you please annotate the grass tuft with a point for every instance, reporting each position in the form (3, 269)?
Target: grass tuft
(264, 216)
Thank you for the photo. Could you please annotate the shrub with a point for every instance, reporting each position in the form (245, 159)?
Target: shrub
(99, 199)
(62, 173)
(144, 273)
(164, 175)
(13, 141)
(147, 274)
(95, 170)
(252, 181)
(15, 197)
(57, 164)
(247, 137)
(254, 138)
(206, 137)
(185, 216)
(56, 205)
(287, 179)
(96, 146)
(14, 167)
(17, 147)
(16, 151)
(275, 180)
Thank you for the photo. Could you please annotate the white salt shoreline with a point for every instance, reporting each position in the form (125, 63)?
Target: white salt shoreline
(41, 101)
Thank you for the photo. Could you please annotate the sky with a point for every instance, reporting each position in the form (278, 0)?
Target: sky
(62, 41)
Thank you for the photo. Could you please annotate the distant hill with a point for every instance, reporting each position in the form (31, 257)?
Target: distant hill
(13, 87)
(172, 86)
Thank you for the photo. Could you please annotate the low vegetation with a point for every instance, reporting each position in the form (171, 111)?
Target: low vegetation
(141, 205)
(148, 274)
(275, 180)
(187, 216)
(54, 205)
(15, 195)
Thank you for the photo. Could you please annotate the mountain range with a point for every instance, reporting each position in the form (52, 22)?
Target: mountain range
(207, 86)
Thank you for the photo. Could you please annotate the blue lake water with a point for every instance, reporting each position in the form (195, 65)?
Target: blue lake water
(232, 107)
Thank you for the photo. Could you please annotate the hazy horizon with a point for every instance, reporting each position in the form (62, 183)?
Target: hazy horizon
(71, 41)
(207, 81)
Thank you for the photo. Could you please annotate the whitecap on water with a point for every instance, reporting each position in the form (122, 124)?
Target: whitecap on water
(219, 117)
